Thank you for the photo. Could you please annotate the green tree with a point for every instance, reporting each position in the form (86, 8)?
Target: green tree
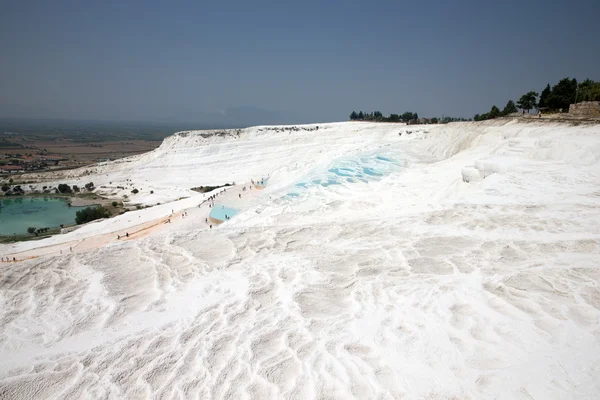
(394, 118)
(434, 120)
(90, 214)
(5, 188)
(353, 116)
(509, 108)
(407, 116)
(361, 116)
(89, 186)
(589, 91)
(544, 97)
(527, 101)
(494, 112)
(64, 188)
(562, 94)
(31, 230)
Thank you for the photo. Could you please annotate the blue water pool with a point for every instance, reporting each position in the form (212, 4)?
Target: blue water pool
(342, 171)
(371, 171)
(19, 213)
(219, 212)
(330, 182)
(364, 168)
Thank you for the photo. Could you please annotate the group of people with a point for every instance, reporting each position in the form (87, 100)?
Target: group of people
(6, 259)
(259, 183)
(211, 199)
(126, 235)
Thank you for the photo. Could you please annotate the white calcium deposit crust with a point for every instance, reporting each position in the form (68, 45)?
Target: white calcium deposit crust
(380, 261)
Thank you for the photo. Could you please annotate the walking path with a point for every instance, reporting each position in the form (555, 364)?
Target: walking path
(188, 218)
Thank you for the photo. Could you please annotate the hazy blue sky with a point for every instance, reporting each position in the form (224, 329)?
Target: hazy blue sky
(302, 60)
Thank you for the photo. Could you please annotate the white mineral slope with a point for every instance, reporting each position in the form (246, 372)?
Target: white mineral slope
(369, 268)
(194, 158)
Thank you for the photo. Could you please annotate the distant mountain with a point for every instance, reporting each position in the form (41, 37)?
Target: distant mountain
(10, 111)
(239, 117)
(231, 117)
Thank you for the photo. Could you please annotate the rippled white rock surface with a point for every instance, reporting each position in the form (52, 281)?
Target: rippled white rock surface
(369, 267)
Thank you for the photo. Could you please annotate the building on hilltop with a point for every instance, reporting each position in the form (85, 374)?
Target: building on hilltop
(8, 169)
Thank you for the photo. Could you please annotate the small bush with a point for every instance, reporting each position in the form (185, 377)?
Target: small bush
(31, 230)
(114, 204)
(90, 214)
(64, 188)
(152, 192)
(135, 191)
